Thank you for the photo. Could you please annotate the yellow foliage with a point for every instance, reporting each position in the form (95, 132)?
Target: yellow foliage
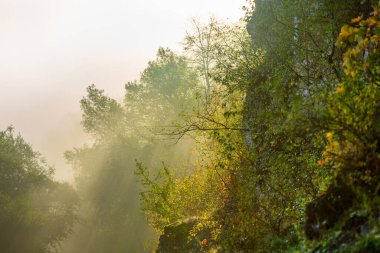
(344, 32)
(340, 90)
(372, 21)
(356, 20)
(329, 136)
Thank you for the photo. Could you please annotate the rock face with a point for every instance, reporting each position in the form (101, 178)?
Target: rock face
(324, 212)
(175, 238)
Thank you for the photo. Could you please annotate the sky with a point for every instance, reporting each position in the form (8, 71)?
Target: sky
(51, 50)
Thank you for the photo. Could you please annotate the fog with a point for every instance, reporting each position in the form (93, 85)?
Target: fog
(51, 50)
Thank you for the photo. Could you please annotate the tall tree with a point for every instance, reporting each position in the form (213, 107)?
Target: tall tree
(36, 212)
(124, 133)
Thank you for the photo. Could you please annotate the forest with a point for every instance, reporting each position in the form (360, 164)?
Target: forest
(261, 136)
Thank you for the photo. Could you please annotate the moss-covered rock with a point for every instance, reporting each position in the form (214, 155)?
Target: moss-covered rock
(177, 238)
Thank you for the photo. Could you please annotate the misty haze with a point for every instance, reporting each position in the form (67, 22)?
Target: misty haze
(189, 126)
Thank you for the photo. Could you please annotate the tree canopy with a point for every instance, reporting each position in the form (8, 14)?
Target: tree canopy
(261, 136)
(36, 212)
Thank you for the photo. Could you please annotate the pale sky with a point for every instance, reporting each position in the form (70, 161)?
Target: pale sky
(51, 50)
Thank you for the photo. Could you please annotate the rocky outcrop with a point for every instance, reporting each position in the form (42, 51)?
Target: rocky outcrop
(176, 238)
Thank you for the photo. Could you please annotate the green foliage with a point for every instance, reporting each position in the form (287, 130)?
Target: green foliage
(167, 199)
(169, 76)
(111, 219)
(282, 111)
(104, 171)
(36, 213)
(109, 210)
(166, 89)
(292, 240)
(260, 159)
(156, 195)
(352, 152)
(102, 116)
(353, 108)
(262, 127)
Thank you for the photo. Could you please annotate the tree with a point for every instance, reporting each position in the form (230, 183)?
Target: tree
(36, 212)
(167, 89)
(124, 133)
(102, 116)
(352, 149)
(200, 45)
(109, 207)
(269, 96)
